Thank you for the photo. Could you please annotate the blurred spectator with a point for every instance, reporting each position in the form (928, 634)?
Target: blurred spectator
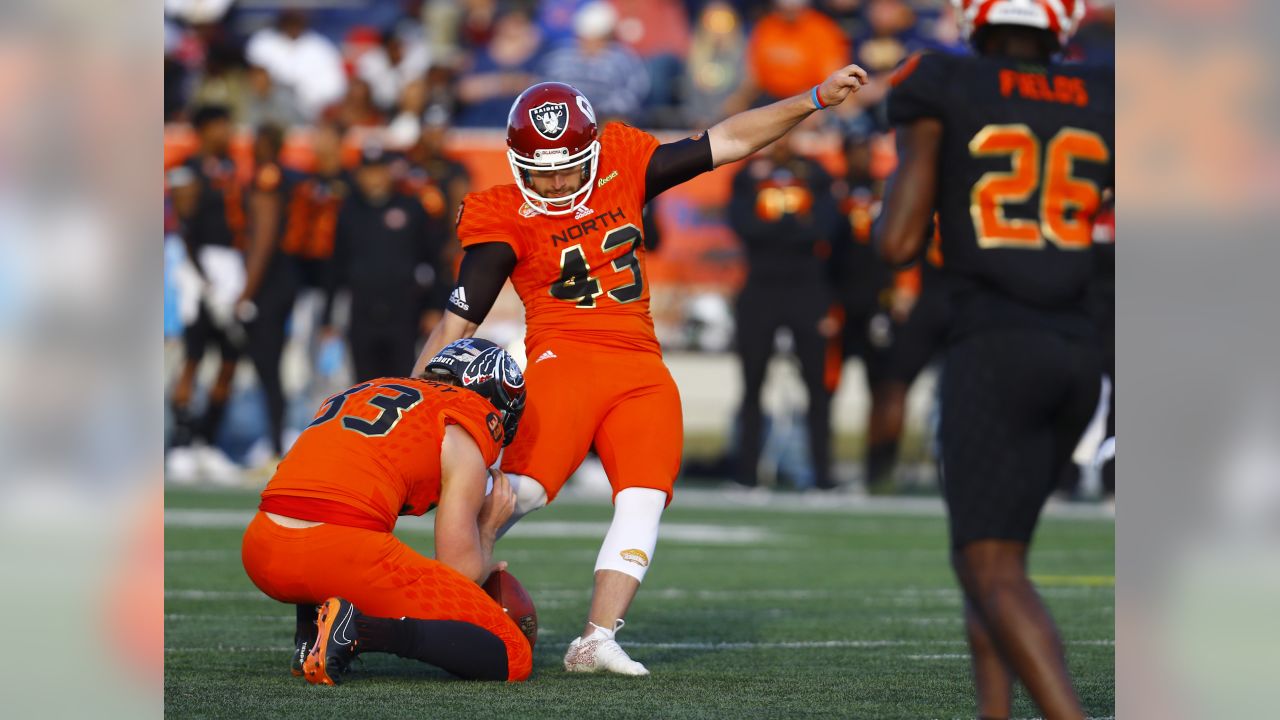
(889, 36)
(783, 210)
(299, 59)
(265, 102)
(223, 82)
(790, 50)
(272, 277)
(848, 14)
(439, 182)
(197, 11)
(356, 109)
(441, 81)
(657, 31)
(1095, 42)
(440, 23)
(358, 41)
(499, 72)
(385, 257)
(607, 72)
(406, 126)
(715, 67)
(941, 30)
(392, 66)
(555, 20)
(476, 23)
(207, 201)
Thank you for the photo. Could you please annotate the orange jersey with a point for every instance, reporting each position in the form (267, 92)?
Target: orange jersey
(373, 452)
(582, 275)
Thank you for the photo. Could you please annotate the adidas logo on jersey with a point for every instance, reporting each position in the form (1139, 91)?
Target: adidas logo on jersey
(459, 298)
(582, 212)
(544, 356)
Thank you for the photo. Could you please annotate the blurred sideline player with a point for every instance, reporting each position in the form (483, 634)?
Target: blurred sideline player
(207, 200)
(384, 448)
(785, 216)
(893, 321)
(918, 314)
(271, 283)
(568, 233)
(1014, 151)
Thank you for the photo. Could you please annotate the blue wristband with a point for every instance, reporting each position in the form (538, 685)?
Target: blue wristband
(817, 101)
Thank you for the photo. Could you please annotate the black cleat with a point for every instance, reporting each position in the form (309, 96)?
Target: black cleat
(299, 657)
(335, 643)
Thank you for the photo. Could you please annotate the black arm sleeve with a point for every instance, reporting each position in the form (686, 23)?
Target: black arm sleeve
(485, 267)
(674, 163)
(649, 226)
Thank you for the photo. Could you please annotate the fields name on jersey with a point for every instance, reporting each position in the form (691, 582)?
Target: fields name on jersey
(604, 221)
(1037, 86)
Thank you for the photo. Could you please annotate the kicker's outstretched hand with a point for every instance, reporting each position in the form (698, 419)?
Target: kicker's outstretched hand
(841, 84)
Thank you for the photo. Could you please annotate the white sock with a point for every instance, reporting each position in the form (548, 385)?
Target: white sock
(628, 546)
(530, 495)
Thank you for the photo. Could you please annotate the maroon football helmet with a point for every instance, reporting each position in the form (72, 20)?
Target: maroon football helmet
(552, 126)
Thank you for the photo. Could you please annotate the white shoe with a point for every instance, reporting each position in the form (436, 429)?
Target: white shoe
(600, 652)
(217, 468)
(180, 466)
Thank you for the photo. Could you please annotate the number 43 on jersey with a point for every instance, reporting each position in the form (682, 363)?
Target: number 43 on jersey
(579, 286)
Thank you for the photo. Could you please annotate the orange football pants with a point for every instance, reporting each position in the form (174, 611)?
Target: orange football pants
(623, 402)
(382, 576)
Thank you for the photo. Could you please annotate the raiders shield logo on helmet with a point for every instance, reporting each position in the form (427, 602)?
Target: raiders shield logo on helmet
(550, 119)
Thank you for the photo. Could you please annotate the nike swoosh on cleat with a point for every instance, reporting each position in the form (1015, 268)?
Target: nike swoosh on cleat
(342, 627)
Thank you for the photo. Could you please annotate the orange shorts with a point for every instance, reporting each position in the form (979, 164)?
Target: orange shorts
(382, 576)
(622, 402)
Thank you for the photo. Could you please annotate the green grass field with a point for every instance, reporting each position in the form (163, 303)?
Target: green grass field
(843, 612)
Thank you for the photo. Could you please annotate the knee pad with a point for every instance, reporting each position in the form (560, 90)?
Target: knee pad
(633, 534)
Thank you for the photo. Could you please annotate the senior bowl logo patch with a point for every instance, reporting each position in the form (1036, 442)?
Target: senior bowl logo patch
(635, 556)
(550, 119)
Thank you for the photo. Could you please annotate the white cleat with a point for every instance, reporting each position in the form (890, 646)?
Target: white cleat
(600, 652)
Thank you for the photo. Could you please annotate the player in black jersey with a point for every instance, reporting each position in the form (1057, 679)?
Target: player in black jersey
(783, 211)
(1014, 151)
(210, 210)
(272, 276)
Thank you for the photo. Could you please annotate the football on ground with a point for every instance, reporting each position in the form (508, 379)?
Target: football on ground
(503, 587)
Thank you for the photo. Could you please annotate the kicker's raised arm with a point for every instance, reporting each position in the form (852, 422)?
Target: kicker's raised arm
(738, 136)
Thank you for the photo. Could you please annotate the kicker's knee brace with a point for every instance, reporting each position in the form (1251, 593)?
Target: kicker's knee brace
(633, 534)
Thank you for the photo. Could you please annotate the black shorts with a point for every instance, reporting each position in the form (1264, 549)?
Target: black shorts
(1014, 405)
(197, 336)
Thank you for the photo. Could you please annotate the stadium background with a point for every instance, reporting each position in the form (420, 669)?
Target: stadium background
(848, 602)
(384, 69)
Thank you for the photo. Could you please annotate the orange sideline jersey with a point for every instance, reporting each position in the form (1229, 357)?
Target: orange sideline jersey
(373, 452)
(580, 275)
